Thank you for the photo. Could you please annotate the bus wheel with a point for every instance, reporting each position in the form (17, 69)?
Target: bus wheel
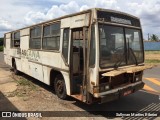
(60, 87)
(16, 72)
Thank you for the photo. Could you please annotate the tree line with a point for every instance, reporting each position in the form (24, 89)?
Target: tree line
(1, 41)
(154, 38)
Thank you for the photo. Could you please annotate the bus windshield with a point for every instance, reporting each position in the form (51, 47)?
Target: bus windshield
(119, 46)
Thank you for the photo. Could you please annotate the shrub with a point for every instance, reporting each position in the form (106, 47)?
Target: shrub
(1, 48)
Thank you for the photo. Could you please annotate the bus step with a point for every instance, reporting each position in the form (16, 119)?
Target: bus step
(78, 96)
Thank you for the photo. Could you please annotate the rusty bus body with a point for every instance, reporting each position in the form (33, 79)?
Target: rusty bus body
(95, 55)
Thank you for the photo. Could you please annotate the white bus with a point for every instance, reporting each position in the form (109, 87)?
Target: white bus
(96, 55)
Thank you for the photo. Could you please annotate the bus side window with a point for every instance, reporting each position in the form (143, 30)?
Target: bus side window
(15, 41)
(35, 37)
(51, 37)
(65, 44)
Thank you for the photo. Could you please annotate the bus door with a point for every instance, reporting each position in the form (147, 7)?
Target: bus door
(78, 59)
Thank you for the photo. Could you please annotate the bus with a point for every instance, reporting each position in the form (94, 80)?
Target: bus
(96, 55)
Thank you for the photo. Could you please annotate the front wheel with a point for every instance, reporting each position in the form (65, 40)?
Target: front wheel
(60, 87)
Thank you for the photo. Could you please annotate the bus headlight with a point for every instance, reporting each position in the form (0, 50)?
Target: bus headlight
(101, 88)
(104, 88)
(137, 79)
(107, 87)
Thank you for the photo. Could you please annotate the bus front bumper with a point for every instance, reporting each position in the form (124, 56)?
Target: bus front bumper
(117, 93)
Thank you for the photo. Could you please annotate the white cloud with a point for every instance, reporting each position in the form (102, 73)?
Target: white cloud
(105, 3)
(54, 12)
(34, 17)
(148, 12)
(84, 7)
(63, 9)
(5, 25)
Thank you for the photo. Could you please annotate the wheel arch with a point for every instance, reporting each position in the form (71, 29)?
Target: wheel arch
(13, 60)
(54, 73)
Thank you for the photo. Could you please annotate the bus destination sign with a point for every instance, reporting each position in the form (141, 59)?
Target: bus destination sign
(120, 20)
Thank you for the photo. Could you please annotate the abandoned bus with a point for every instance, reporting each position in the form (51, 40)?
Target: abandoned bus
(96, 55)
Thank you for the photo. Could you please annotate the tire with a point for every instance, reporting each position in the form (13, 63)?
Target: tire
(60, 87)
(16, 72)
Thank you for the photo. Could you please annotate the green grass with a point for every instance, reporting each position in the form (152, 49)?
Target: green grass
(24, 88)
(152, 61)
(1, 48)
(152, 52)
(24, 82)
(152, 57)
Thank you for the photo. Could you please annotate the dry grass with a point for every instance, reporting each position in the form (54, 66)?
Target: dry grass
(152, 57)
(24, 87)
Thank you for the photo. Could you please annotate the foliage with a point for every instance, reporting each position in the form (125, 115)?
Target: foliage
(154, 38)
(1, 41)
(152, 61)
(1, 48)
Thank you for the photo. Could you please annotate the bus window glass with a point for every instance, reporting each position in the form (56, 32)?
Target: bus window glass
(112, 45)
(55, 29)
(35, 38)
(134, 45)
(65, 44)
(51, 37)
(46, 31)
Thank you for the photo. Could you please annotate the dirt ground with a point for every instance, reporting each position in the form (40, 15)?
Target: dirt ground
(23, 93)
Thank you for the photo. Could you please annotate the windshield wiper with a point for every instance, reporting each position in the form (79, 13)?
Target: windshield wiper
(135, 58)
(118, 63)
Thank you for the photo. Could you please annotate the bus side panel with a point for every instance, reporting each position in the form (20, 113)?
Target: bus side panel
(25, 32)
(36, 71)
(25, 66)
(7, 49)
(18, 63)
(24, 48)
(67, 81)
(25, 42)
(79, 20)
(76, 21)
(46, 73)
(52, 59)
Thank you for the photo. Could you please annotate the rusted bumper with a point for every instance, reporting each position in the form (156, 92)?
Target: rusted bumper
(117, 93)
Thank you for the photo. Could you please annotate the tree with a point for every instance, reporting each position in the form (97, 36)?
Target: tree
(1, 41)
(154, 38)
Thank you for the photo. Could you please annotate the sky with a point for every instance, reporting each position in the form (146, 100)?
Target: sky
(15, 14)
